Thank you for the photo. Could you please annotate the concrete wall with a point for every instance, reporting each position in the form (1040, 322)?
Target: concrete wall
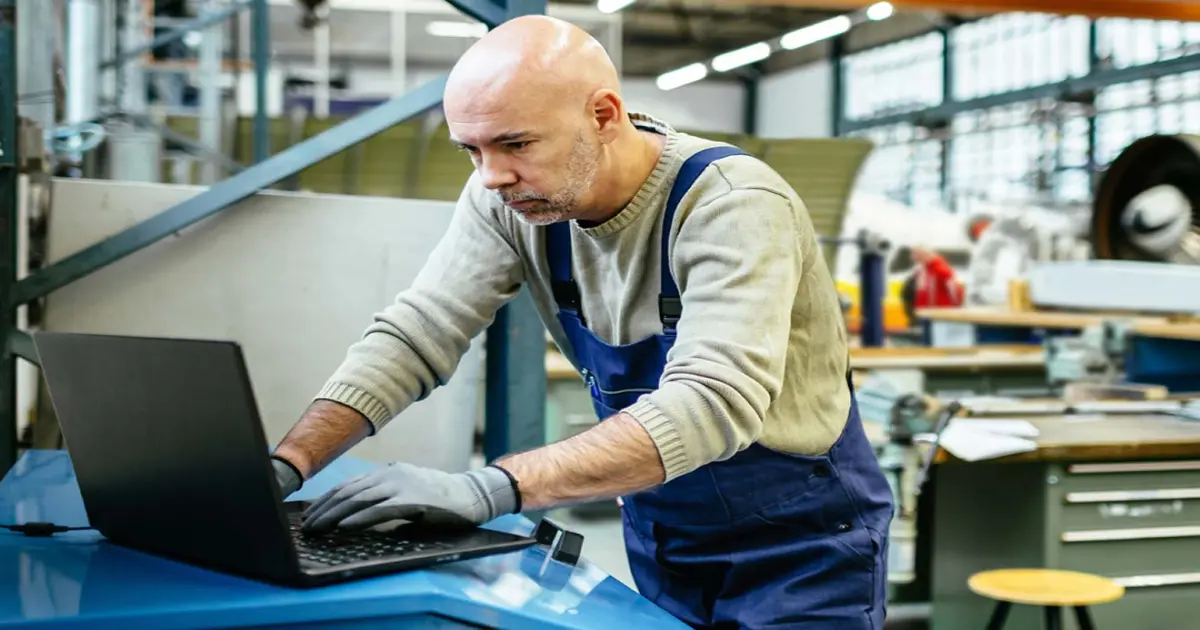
(294, 278)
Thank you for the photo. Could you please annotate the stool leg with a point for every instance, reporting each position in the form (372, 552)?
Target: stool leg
(999, 615)
(1053, 618)
(1084, 618)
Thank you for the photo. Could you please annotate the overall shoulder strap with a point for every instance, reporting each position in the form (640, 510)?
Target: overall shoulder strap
(558, 257)
(670, 309)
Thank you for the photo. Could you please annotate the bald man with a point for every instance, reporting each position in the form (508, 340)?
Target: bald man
(683, 280)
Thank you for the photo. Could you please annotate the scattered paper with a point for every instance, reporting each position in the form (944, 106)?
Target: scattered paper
(1004, 426)
(973, 440)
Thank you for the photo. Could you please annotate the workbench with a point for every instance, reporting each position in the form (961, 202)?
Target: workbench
(978, 326)
(1115, 495)
(951, 372)
(1161, 351)
(79, 580)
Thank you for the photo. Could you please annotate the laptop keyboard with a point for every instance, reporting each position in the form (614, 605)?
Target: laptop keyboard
(344, 547)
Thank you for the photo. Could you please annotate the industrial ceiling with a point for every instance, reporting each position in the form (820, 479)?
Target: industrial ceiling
(663, 35)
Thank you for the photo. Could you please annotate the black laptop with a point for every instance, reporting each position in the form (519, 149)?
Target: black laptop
(171, 459)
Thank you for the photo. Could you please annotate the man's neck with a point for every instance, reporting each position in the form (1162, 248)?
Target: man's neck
(633, 158)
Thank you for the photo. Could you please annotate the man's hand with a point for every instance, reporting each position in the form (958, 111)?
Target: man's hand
(411, 493)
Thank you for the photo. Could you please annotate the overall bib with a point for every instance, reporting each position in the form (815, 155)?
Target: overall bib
(763, 539)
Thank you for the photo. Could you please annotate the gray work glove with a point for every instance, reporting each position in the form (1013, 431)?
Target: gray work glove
(419, 495)
(286, 476)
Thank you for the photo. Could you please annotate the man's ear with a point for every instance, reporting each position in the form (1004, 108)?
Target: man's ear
(608, 114)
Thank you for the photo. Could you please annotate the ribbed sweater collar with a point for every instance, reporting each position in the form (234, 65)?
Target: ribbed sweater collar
(661, 176)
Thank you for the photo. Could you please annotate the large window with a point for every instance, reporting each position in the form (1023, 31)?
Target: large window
(905, 166)
(1122, 43)
(901, 77)
(1128, 111)
(1024, 152)
(1009, 52)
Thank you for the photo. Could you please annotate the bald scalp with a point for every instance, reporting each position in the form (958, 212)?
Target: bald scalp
(530, 62)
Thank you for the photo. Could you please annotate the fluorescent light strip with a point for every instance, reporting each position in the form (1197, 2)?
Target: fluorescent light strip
(456, 29)
(815, 33)
(757, 52)
(740, 57)
(880, 11)
(612, 6)
(682, 76)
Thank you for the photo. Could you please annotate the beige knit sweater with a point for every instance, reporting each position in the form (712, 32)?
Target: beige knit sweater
(761, 350)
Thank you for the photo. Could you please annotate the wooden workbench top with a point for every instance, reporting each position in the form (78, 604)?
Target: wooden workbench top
(1107, 437)
(1150, 326)
(1033, 319)
(981, 357)
(975, 357)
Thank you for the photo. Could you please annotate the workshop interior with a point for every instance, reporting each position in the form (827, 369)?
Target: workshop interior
(1006, 194)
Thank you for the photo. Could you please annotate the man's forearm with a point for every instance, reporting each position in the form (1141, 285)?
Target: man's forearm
(325, 431)
(614, 458)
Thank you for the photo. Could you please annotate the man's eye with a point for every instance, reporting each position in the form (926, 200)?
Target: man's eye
(517, 146)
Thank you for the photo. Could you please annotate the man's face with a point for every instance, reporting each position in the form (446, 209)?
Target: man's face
(541, 167)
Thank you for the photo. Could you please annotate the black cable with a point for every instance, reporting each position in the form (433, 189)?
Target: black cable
(41, 530)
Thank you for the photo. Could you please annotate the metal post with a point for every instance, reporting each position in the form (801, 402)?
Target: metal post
(1093, 65)
(750, 82)
(262, 60)
(209, 67)
(321, 93)
(871, 283)
(399, 49)
(515, 387)
(9, 159)
(947, 96)
(837, 89)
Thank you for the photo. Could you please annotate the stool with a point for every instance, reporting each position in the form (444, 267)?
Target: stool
(1048, 588)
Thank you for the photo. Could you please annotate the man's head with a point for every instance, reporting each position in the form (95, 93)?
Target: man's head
(536, 103)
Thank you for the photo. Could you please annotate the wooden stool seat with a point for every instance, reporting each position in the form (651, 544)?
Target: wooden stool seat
(1045, 587)
(1051, 589)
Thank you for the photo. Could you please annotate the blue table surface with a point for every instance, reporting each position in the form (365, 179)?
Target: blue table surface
(79, 579)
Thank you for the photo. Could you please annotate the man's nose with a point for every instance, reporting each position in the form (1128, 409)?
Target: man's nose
(495, 172)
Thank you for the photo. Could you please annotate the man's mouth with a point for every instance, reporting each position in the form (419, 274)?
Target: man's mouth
(523, 204)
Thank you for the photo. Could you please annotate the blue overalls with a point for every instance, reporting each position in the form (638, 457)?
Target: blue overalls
(763, 539)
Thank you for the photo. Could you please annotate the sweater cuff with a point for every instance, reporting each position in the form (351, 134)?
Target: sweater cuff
(375, 411)
(665, 435)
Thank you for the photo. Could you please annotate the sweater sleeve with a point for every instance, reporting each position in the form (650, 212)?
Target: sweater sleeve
(737, 262)
(416, 343)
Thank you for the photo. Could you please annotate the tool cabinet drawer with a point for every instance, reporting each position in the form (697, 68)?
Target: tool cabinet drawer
(1127, 476)
(1119, 509)
(1124, 552)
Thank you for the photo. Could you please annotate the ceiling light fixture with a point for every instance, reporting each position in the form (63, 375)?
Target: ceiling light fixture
(880, 11)
(681, 76)
(816, 32)
(439, 28)
(740, 57)
(612, 6)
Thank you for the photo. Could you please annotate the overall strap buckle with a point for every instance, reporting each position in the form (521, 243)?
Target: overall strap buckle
(670, 309)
